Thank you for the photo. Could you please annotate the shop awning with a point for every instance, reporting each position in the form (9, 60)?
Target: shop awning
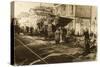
(63, 21)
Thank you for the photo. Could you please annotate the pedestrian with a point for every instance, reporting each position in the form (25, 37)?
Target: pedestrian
(27, 29)
(87, 45)
(31, 30)
(45, 26)
(64, 34)
(49, 30)
(57, 36)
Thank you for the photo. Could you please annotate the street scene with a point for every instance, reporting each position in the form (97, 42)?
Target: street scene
(46, 33)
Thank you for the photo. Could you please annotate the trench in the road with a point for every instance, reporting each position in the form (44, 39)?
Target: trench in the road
(32, 51)
(45, 55)
(51, 53)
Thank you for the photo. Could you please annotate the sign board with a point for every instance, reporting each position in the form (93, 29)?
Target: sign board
(83, 11)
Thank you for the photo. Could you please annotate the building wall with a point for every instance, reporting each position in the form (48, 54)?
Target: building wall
(64, 10)
(83, 17)
(86, 17)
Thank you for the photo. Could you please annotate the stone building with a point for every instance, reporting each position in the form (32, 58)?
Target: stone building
(72, 17)
(83, 17)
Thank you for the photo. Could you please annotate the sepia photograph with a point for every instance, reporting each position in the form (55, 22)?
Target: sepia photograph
(48, 33)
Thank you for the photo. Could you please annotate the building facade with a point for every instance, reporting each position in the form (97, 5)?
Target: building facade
(83, 17)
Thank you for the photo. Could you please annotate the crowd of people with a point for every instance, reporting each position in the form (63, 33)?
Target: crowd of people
(52, 31)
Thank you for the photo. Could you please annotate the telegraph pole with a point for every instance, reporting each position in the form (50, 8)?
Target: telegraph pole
(90, 17)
